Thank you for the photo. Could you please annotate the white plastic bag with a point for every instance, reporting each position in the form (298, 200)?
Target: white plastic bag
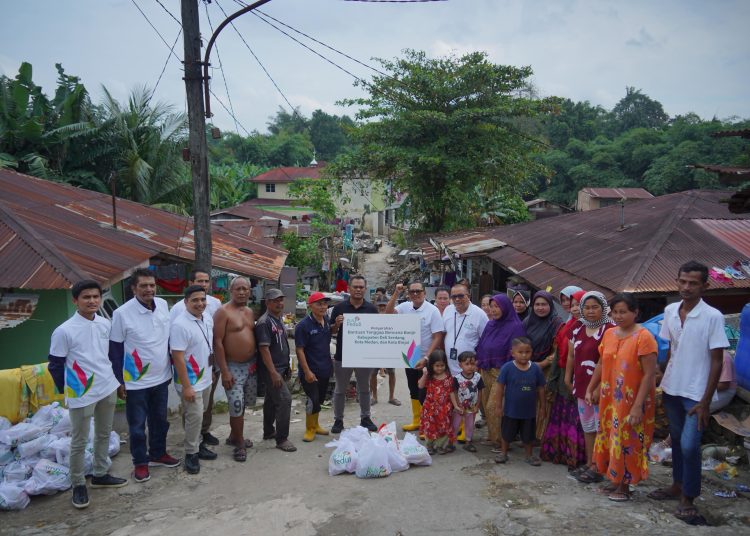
(48, 416)
(33, 447)
(4, 424)
(16, 472)
(658, 453)
(48, 478)
(357, 435)
(413, 451)
(388, 432)
(114, 444)
(372, 459)
(6, 455)
(396, 459)
(12, 497)
(61, 447)
(343, 459)
(63, 426)
(20, 433)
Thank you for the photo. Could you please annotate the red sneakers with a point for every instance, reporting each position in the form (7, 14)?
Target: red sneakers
(141, 473)
(165, 461)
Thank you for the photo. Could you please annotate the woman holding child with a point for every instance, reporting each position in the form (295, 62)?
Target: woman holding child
(623, 384)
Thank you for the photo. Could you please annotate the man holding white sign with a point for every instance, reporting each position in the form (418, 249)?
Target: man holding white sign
(356, 304)
(432, 332)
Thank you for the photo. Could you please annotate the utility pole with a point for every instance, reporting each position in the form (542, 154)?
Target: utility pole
(197, 133)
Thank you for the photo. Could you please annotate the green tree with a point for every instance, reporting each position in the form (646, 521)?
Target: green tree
(637, 110)
(329, 134)
(436, 128)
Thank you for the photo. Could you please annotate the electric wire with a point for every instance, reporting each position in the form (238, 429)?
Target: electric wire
(229, 112)
(164, 68)
(221, 67)
(157, 31)
(169, 13)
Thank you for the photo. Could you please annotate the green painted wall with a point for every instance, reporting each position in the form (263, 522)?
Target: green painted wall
(28, 344)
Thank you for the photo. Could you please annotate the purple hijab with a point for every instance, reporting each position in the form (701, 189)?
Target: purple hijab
(493, 349)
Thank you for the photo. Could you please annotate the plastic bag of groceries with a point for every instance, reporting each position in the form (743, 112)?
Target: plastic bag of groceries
(114, 444)
(18, 471)
(6, 454)
(48, 478)
(388, 432)
(4, 424)
(48, 416)
(33, 447)
(63, 426)
(396, 459)
(13, 497)
(357, 435)
(372, 459)
(343, 459)
(20, 433)
(414, 452)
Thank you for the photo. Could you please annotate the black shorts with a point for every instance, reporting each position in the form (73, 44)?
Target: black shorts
(510, 427)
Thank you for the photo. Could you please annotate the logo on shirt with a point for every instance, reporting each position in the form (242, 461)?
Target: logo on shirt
(354, 322)
(412, 355)
(76, 382)
(194, 373)
(134, 369)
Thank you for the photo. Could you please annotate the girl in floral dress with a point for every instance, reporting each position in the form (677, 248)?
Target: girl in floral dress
(624, 382)
(436, 411)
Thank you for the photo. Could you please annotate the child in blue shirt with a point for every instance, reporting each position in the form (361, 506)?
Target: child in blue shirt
(521, 387)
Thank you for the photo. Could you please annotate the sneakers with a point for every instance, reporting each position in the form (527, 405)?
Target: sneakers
(366, 422)
(192, 464)
(80, 497)
(141, 474)
(165, 461)
(205, 454)
(338, 426)
(108, 481)
(210, 439)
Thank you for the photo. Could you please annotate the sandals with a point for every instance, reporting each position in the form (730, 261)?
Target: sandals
(690, 515)
(607, 489)
(286, 446)
(619, 496)
(394, 401)
(662, 494)
(248, 443)
(533, 461)
(239, 454)
(589, 476)
(501, 458)
(470, 447)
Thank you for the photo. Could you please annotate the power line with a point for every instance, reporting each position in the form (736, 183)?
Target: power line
(294, 111)
(157, 31)
(229, 112)
(169, 13)
(221, 68)
(164, 68)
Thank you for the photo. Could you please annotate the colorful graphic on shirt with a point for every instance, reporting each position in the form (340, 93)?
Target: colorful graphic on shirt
(412, 355)
(134, 369)
(76, 382)
(194, 373)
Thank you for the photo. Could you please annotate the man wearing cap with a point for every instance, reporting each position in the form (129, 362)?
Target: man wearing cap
(273, 347)
(312, 339)
(355, 304)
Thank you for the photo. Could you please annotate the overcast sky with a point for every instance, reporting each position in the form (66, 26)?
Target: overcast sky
(690, 55)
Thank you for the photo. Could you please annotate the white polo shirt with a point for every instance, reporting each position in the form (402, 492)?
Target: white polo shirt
(212, 305)
(194, 337)
(462, 332)
(690, 348)
(430, 320)
(88, 371)
(145, 335)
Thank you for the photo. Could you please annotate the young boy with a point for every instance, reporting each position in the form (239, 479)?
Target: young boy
(80, 367)
(521, 385)
(465, 397)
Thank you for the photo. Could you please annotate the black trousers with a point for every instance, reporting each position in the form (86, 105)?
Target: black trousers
(316, 393)
(412, 380)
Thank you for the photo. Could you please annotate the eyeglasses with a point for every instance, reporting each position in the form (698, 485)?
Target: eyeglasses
(356, 288)
(416, 291)
(457, 296)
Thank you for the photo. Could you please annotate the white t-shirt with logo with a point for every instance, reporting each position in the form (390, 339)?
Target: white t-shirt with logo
(690, 346)
(212, 305)
(88, 371)
(145, 334)
(462, 332)
(194, 337)
(430, 320)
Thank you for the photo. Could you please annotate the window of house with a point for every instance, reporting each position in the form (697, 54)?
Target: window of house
(270, 188)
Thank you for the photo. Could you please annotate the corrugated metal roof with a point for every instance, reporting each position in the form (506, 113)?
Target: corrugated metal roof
(288, 174)
(79, 224)
(735, 233)
(618, 193)
(724, 170)
(744, 133)
(465, 243)
(248, 211)
(659, 235)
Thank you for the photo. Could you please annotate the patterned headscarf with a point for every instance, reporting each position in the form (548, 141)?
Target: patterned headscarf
(598, 296)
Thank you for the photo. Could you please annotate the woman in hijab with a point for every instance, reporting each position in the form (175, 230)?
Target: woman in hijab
(520, 300)
(566, 295)
(493, 351)
(563, 441)
(541, 327)
(583, 355)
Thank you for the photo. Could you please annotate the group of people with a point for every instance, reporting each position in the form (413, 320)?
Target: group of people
(581, 385)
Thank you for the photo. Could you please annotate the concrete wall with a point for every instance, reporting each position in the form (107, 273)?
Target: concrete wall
(282, 191)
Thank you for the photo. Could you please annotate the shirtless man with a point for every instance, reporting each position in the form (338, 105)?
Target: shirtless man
(234, 348)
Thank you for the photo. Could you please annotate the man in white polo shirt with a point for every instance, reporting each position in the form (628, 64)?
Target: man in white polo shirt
(140, 340)
(190, 341)
(464, 323)
(80, 367)
(696, 336)
(202, 278)
(432, 337)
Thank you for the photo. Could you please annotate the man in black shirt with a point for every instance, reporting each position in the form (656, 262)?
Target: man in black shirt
(355, 304)
(273, 347)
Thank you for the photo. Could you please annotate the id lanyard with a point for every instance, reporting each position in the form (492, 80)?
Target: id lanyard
(210, 347)
(457, 333)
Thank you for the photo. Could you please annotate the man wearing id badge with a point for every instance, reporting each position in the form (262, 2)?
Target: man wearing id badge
(464, 323)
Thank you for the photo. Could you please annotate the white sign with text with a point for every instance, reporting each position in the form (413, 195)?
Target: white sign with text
(381, 341)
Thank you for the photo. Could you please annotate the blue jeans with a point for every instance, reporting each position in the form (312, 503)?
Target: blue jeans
(148, 405)
(686, 444)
